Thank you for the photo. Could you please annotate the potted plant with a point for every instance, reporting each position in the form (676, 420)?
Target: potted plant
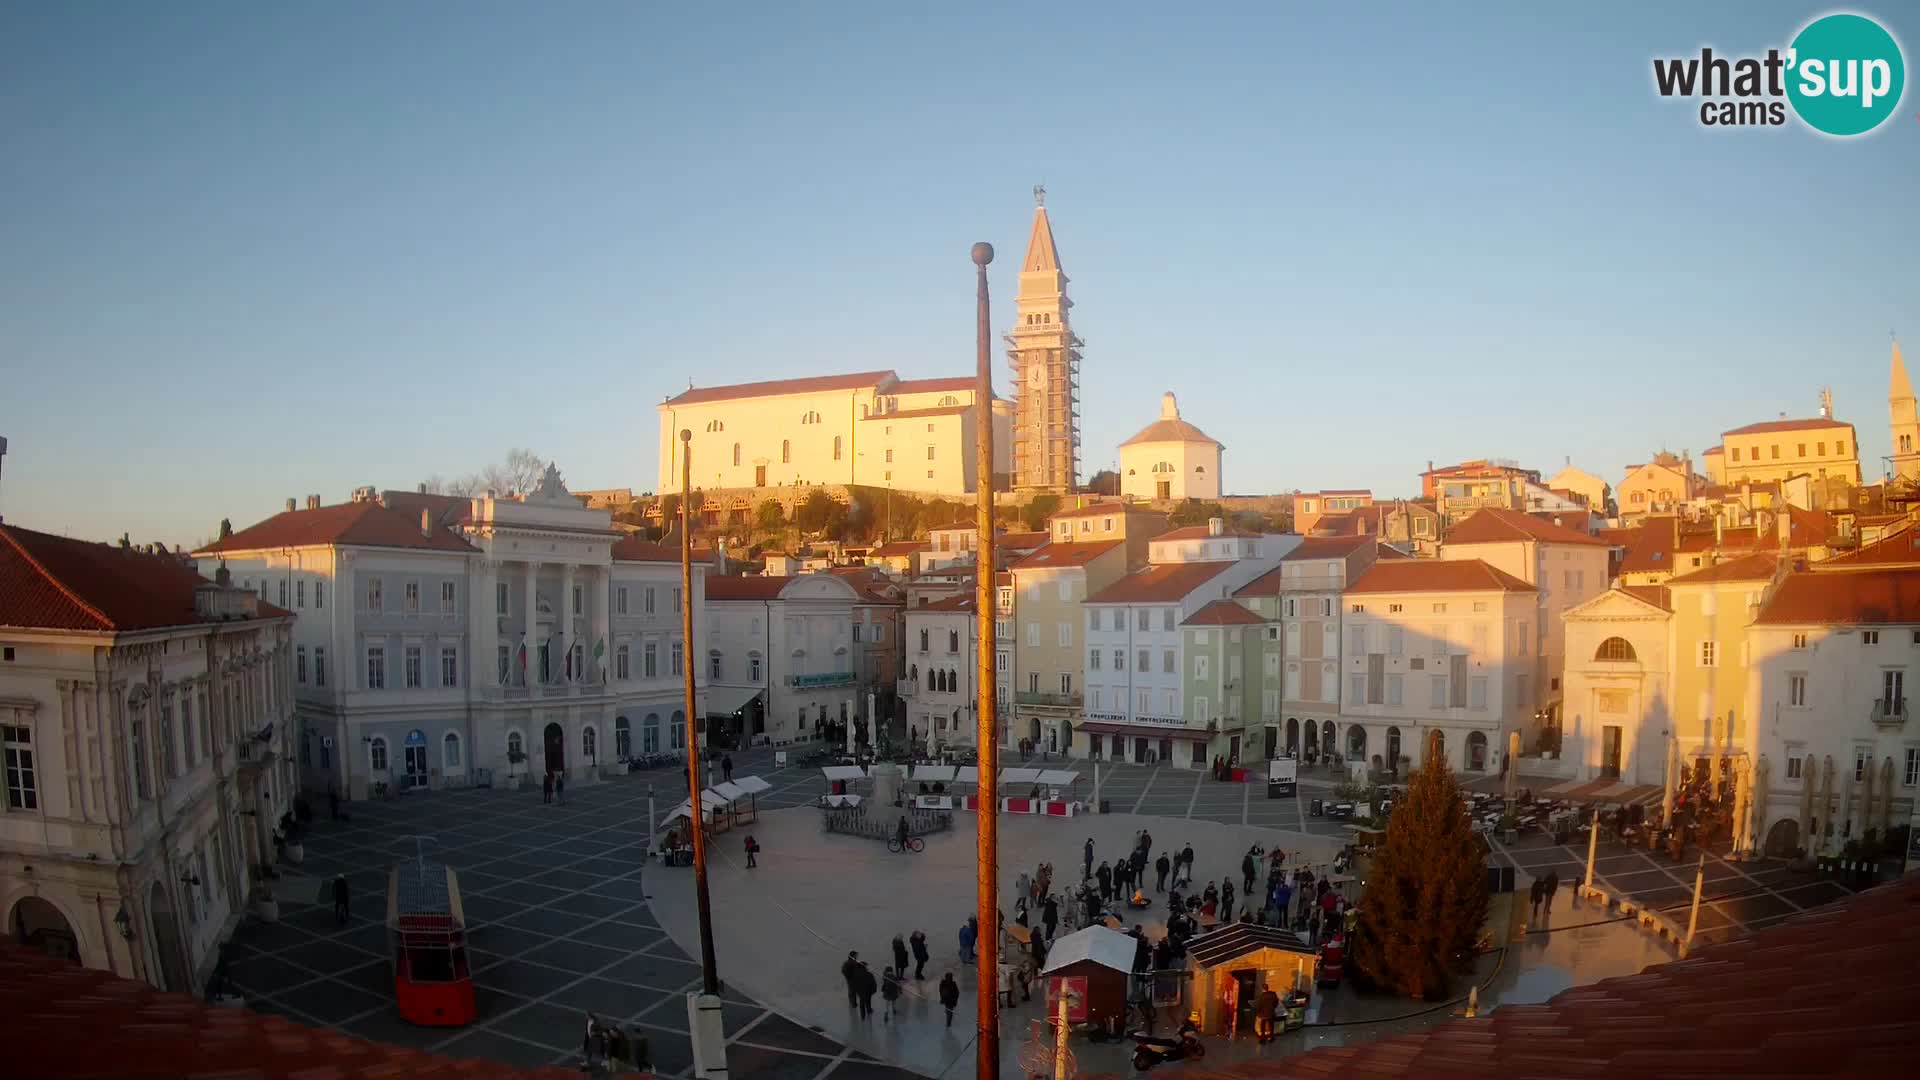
(265, 907)
(514, 758)
(293, 851)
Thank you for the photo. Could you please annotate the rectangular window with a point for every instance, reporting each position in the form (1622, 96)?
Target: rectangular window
(929, 449)
(446, 596)
(753, 668)
(620, 600)
(319, 664)
(578, 596)
(889, 457)
(449, 667)
(1066, 683)
(500, 598)
(1797, 690)
(413, 667)
(319, 594)
(23, 789)
(1093, 659)
(1793, 764)
(1394, 690)
(1893, 691)
(1869, 637)
(1356, 640)
(300, 594)
(1477, 692)
(1033, 635)
(1439, 699)
(856, 633)
(1093, 618)
(1066, 635)
(1480, 639)
(1735, 451)
(1396, 640)
(675, 660)
(1799, 641)
(1356, 687)
(283, 592)
(676, 599)
(1144, 619)
(1708, 653)
(1166, 618)
(647, 601)
(300, 664)
(1167, 665)
(650, 661)
(623, 663)
(1911, 774)
(376, 668)
(375, 594)
(411, 595)
(713, 668)
(1439, 609)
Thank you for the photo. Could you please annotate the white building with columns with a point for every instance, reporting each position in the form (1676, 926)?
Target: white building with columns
(145, 716)
(526, 637)
(779, 659)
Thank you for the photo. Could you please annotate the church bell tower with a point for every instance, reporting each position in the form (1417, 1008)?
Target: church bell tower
(1903, 424)
(1045, 357)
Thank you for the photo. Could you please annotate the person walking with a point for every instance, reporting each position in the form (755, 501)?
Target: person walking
(1226, 900)
(1160, 868)
(560, 788)
(340, 911)
(1553, 886)
(1050, 914)
(1104, 876)
(868, 986)
(1247, 870)
(918, 941)
(850, 971)
(726, 767)
(899, 956)
(1538, 892)
(1265, 1008)
(969, 937)
(1088, 861)
(889, 992)
(546, 787)
(1186, 859)
(753, 849)
(949, 995)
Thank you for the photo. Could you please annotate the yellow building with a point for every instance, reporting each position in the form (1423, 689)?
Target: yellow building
(1819, 447)
(1585, 485)
(1712, 609)
(1657, 486)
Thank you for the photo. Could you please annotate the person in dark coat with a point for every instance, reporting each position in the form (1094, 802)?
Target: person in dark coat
(1050, 914)
(546, 788)
(868, 987)
(1226, 899)
(1553, 886)
(919, 943)
(890, 991)
(1160, 868)
(560, 788)
(1247, 871)
(1142, 952)
(1037, 947)
(1104, 876)
(340, 910)
(850, 971)
(950, 994)
(1088, 861)
(726, 767)
(1537, 892)
(900, 956)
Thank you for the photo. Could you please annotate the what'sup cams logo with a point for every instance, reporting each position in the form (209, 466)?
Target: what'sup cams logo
(1842, 75)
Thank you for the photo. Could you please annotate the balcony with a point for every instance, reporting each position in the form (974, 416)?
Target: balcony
(905, 688)
(1047, 700)
(1889, 714)
(832, 678)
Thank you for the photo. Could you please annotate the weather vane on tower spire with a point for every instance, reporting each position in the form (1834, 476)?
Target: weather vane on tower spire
(1039, 195)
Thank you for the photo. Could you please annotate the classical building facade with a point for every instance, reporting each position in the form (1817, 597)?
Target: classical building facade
(870, 428)
(530, 638)
(942, 672)
(1819, 447)
(1044, 355)
(1170, 460)
(779, 659)
(145, 715)
(1618, 712)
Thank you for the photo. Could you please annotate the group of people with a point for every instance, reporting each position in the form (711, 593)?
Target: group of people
(909, 951)
(1543, 890)
(615, 1049)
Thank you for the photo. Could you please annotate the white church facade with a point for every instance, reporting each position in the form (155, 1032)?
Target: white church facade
(1170, 459)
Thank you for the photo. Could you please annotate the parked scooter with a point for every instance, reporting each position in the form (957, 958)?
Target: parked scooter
(1149, 1050)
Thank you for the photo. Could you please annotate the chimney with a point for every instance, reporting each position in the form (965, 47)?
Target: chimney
(223, 577)
(1719, 530)
(313, 502)
(1216, 526)
(290, 505)
(426, 522)
(423, 487)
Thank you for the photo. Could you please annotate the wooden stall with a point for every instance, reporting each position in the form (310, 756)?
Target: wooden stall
(1233, 964)
(1090, 969)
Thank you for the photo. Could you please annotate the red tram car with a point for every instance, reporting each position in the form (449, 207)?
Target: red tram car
(427, 933)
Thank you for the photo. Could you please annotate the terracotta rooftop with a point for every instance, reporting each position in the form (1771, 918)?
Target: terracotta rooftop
(1900, 548)
(1712, 451)
(909, 414)
(52, 582)
(1222, 613)
(1869, 597)
(1435, 575)
(933, 386)
(1808, 424)
(1657, 595)
(1201, 532)
(1823, 994)
(447, 510)
(634, 549)
(873, 586)
(962, 602)
(1174, 430)
(1060, 555)
(1495, 526)
(731, 587)
(1809, 528)
(1327, 547)
(353, 524)
(1760, 566)
(61, 1019)
(1267, 584)
(1160, 583)
(1020, 541)
(776, 387)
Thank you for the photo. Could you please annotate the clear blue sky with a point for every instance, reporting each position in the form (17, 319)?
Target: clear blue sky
(253, 251)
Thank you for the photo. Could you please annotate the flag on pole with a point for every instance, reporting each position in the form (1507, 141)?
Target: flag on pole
(600, 657)
(523, 655)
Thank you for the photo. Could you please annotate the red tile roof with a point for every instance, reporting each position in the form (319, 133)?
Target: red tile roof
(1267, 584)
(1870, 597)
(51, 582)
(1222, 613)
(933, 386)
(447, 510)
(746, 588)
(1809, 528)
(960, 602)
(776, 387)
(1494, 525)
(634, 549)
(61, 1019)
(1788, 425)
(1328, 547)
(908, 414)
(1203, 532)
(359, 524)
(1827, 993)
(1657, 595)
(1059, 555)
(873, 586)
(1020, 541)
(1160, 583)
(1760, 566)
(1897, 549)
(1435, 575)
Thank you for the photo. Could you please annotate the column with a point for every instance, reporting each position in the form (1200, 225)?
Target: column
(483, 625)
(532, 646)
(602, 626)
(567, 624)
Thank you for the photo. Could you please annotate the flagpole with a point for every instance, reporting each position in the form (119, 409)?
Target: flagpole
(987, 734)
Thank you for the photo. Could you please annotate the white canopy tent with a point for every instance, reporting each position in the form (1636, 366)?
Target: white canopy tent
(933, 774)
(1108, 948)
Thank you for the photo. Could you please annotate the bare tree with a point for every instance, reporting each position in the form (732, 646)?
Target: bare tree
(520, 471)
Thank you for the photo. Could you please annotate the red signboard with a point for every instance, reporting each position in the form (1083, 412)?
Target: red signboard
(1074, 989)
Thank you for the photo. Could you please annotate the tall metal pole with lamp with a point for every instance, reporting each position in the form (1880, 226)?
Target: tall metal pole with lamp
(987, 734)
(703, 1009)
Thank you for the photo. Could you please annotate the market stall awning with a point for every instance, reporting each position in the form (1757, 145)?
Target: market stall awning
(1147, 731)
(1059, 777)
(752, 785)
(932, 774)
(967, 774)
(843, 772)
(1108, 948)
(727, 700)
(1020, 776)
(1240, 939)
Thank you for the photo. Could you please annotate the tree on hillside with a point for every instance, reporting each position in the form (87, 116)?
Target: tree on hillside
(1426, 895)
(770, 517)
(519, 471)
(1104, 482)
(1194, 512)
(1035, 514)
(814, 512)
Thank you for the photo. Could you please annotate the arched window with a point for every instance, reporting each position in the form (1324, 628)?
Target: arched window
(786, 452)
(736, 453)
(622, 738)
(923, 639)
(1615, 648)
(588, 742)
(377, 754)
(949, 400)
(1199, 468)
(450, 751)
(953, 681)
(836, 448)
(715, 425)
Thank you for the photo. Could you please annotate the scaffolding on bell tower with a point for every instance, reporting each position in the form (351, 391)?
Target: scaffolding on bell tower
(1044, 355)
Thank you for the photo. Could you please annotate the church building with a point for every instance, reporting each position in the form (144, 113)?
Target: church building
(1170, 459)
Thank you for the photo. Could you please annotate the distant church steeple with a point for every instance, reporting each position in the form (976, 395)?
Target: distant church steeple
(1045, 357)
(1903, 423)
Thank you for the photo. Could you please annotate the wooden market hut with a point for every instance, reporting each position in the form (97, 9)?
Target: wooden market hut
(1237, 962)
(1091, 967)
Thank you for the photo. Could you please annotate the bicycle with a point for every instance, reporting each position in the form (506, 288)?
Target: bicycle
(913, 844)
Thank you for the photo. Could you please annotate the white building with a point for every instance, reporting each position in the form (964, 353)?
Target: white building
(941, 676)
(1436, 647)
(1831, 722)
(780, 656)
(1619, 707)
(145, 716)
(529, 638)
(871, 428)
(1170, 459)
(1215, 542)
